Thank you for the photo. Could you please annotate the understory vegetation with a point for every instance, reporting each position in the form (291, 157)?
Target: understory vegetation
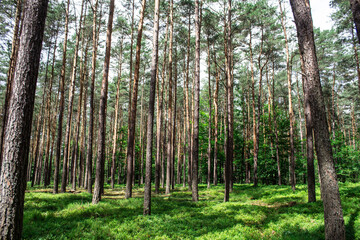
(265, 212)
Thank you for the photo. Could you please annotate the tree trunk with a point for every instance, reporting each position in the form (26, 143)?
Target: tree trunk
(309, 143)
(334, 222)
(79, 110)
(49, 118)
(355, 7)
(187, 105)
(70, 109)
(92, 107)
(216, 96)
(10, 77)
(275, 127)
(229, 107)
(255, 137)
(17, 141)
(169, 125)
(150, 121)
(173, 144)
(195, 147)
(132, 116)
(291, 113)
(113, 162)
(100, 160)
(209, 121)
(159, 113)
(83, 124)
(36, 145)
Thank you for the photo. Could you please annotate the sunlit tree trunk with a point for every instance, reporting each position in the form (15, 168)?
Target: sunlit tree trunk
(229, 107)
(334, 222)
(83, 123)
(38, 133)
(170, 107)
(113, 161)
(70, 107)
(291, 113)
(150, 121)
(195, 147)
(132, 113)
(18, 125)
(209, 121)
(216, 117)
(11, 70)
(100, 160)
(47, 169)
(89, 158)
(173, 144)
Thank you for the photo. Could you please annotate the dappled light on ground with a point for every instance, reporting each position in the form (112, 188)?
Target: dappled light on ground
(266, 212)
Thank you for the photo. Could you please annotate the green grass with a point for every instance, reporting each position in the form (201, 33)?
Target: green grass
(266, 212)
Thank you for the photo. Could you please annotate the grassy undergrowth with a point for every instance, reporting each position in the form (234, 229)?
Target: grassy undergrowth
(265, 212)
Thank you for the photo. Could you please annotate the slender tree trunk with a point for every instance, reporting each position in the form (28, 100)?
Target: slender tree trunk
(173, 144)
(187, 105)
(334, 222)
(159, 112)
(17, 141)
(169, 125)
(195, 147)
(150, 121)
(92, 107)
(132, 115)
(309, 143)
(49, 118)
(216, 96)
(248, 129)
(70, 109)
(274, 115)
(100, 161)
(132, 166)
(75, 154)
(209, 122)
(38, 133)
(163, 151)
(184, 129)
(11, 71)
(113, 162)
(229, 104)
(83, 124)
(255, 136)
(179, 159)
(291, 113)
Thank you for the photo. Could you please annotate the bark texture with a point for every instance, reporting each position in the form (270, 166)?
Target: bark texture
(91, 117)
(100, 161)
(195, 146)
(17, 141)
(61, 104)
(355, 7)
(132, 116)
(150, 121)
(334, 222)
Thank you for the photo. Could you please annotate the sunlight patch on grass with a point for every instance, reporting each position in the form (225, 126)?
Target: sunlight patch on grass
(265, 212)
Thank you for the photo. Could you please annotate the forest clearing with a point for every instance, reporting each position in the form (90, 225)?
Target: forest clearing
(179, 119)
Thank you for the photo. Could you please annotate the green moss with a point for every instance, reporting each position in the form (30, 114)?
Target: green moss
(265, 212)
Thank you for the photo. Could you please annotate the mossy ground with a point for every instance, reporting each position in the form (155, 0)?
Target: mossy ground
(265, 212)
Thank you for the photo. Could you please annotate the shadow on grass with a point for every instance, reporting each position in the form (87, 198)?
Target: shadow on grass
(174, 216)
(350, 227)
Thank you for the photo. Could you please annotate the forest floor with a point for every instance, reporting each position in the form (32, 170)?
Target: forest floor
(265, 212)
